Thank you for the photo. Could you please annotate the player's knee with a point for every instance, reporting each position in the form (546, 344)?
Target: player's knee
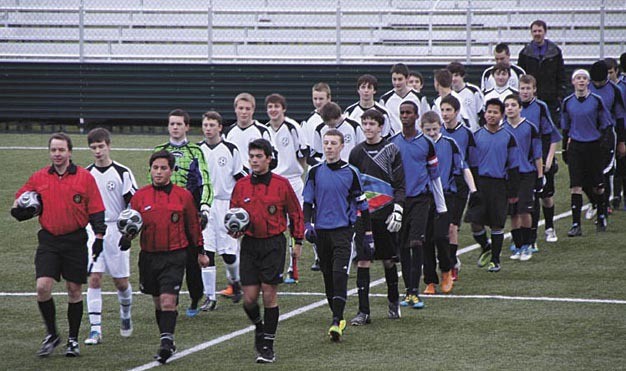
(364, 263)
(229, 258)
(95, 281)
(388, 263)
(121, 284)
(599, 189)
(414, 244)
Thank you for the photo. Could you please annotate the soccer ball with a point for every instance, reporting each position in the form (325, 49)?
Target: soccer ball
(129, 222)
(30, 199)
(236, 220)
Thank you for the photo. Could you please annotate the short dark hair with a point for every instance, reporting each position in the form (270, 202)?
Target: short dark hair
(611, 63)
(502, 47)
(501, 66)
(451, 100)
(430, 117)
(400, 68)
(276, 98)
(213, 115)
(330, 111)
(515, 97)
(539, 23)
(417, 74)
(261, 144)
(495, 102)
(61, 136)
(99, 135)
(528, 79)
(456, 67)
(335, 133)
(412, 104)
(443, 78)
(375, 115)
(622, 61)
(181, 113)
(171, 160)
(367, 79)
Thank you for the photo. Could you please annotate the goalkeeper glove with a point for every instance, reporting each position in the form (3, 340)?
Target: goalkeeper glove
(96, 248)
(22, 214)
(204, 216)
(394, 220)
(124, 243)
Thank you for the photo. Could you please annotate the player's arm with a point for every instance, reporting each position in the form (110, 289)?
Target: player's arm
(536, 151)
(193, 232)
(207, 188)
(512, 163)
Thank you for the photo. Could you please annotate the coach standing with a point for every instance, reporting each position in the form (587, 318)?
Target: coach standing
(544, 60)
(269, 199)
(71, 199)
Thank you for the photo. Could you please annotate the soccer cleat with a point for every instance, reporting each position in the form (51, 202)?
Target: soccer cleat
(237, 294)
(266, 355)
(494, 267)
(591, 212)
(551, 235)
(94, 338)
(289, 278)
(316, 265)
(575, 231)
(361, 319)
(601, 225)
(417, 302)
(208, 305)
(394, 310)
(526, 253)
(192, 312)
(534, 248)
(73, 350)
(430, 289)
(48, 344)
(407, 301)
(336, 330)
(126, 327)
(166, 350)
(227, 292)
(516, 254)
(454, 272)
(484, 257)
(512, 247)
(446, 282)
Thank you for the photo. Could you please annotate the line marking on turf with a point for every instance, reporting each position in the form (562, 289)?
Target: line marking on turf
(128, 149)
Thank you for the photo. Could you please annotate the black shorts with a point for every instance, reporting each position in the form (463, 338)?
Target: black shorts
(161, 272)
(493, 208)
(415, 219)
(334, 247)
(586, 163)
(262, 260)
(525, 195)
(385, 242)
(64, 255)
(621, 167)
(456, 207)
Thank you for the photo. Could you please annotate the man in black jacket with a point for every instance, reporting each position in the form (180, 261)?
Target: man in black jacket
(544, 60)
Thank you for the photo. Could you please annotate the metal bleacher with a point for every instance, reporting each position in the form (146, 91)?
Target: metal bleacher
(327, 31)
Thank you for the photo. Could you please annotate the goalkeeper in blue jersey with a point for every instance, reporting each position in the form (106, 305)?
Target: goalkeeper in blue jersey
(191, 172)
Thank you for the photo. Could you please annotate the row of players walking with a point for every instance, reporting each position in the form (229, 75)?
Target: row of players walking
(388, 181)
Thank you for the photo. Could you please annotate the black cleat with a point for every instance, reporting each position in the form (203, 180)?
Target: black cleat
(575, 231)
(266, 355)
(166, 350)
(237, 294)
(72, 348)
(601, 225)
(316, 266)
(48, 344)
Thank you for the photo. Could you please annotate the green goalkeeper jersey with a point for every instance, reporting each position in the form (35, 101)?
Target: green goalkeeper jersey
(191, 171)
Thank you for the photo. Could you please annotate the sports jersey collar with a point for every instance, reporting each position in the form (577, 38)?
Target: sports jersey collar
(336, 165)
(419, 134)
(263, 178)
(71, 169)
(213, 146)
(526, 104)
(179, 144)
(103, 169)
(166, 188)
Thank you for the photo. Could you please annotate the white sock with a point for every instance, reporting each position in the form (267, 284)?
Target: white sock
(94, 308)
(126, 301)
(232, 270)
(208, 279)
(290, 268)
(315, 251)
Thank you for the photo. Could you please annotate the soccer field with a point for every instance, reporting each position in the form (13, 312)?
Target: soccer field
(563, 309)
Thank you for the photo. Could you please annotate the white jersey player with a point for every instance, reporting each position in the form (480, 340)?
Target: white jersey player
(117, 185)
(333, 119)
(367, 85)
(225, 168)
(320, 96)
(470, 95)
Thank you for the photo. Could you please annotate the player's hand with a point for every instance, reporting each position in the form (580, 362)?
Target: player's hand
(203, 260)
(21, 214)
(368, 243)
(539, 184)
(237, 234)
(309, 233)
(296, 251)
(564, 155)
(621, 149)
(475, 200)
(394, 220)
(96, 248)
(124, 243)
(513, 200)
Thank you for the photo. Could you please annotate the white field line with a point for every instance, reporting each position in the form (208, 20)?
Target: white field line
(78, 148)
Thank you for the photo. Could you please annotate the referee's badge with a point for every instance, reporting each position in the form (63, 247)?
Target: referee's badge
(271, 209)
(175, 217)
(78, 198)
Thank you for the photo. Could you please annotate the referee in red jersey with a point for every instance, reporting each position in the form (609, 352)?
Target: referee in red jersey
(70, 199)
(171, 227)
(269, 199)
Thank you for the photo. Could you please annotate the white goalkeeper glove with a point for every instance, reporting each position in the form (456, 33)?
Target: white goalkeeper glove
(394, 220)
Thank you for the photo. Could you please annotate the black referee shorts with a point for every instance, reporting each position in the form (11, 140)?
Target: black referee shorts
(64, 255)
(493, 208)
(586, 161)
(415, 219)
(161, 272)
(384, 242)
(525, 195)
(262, 260)
(334, 247)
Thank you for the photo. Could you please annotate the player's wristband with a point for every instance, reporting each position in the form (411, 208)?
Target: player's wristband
(201, 250)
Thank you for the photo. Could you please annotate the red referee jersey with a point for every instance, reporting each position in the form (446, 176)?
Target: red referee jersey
(268, 199)
(170, 218)
(67, 199)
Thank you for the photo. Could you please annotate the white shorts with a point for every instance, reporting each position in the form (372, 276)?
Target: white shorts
(298, 187)
(216, 238)
(112, 260)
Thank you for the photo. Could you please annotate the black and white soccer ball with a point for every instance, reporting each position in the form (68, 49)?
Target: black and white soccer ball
(129, 222)
(236, 220)
(32, 200)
